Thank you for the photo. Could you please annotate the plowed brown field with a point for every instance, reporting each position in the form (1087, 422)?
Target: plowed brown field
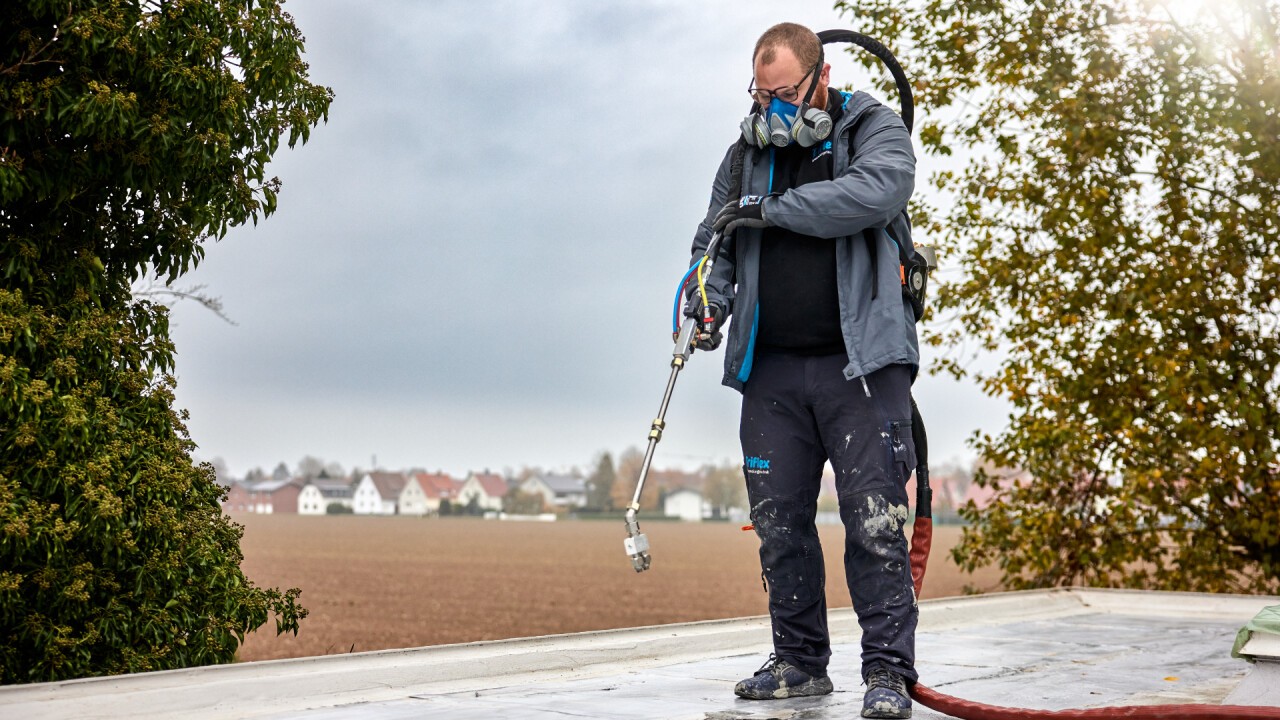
(393, 582)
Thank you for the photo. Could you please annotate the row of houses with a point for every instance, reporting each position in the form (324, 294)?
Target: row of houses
(422, 493)
(397, 493)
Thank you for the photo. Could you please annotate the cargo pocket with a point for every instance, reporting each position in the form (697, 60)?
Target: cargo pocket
(902, 448)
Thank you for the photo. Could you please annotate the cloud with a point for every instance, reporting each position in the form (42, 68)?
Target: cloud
(473, 261)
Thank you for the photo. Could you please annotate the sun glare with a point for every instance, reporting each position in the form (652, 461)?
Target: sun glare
(1189, 11)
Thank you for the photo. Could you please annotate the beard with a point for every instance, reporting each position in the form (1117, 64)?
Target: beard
(819, 97)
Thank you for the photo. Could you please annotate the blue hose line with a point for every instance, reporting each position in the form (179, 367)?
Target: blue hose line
(675, 312)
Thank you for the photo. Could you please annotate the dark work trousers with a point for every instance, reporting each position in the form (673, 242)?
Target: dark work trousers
(798, 412)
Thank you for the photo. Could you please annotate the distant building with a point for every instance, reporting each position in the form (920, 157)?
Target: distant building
(438, 488)
(412, 500)
(239, 497)
(686, 504)
(671, 480)
(486, 488)
(1002, 478)
(378, 493)
(319, 493)
(558, 491)
(263, 497)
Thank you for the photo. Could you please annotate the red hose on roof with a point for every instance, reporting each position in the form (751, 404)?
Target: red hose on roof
(921, 538)
(967, 709)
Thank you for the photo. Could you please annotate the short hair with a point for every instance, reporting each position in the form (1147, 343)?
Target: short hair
(799, 39)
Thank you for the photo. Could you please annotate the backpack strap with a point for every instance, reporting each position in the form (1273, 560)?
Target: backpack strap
(873, 246)
(909, 262)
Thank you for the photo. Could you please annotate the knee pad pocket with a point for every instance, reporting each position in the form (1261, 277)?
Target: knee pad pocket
(790, 554)
(875, 516)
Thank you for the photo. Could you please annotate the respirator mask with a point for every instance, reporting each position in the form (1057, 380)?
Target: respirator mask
(781, 123)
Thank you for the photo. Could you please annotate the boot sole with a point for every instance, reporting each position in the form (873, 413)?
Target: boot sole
(812, 688)
(886, 713)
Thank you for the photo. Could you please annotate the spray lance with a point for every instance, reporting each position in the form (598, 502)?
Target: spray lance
(636, 543)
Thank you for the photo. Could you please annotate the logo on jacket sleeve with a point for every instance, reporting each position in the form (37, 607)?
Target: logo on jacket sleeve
(756, 465)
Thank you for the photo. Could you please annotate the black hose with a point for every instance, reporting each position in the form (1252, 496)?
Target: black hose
(924, 493)
(875, 47)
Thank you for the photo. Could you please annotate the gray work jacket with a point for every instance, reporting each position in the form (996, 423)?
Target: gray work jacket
(871, 191)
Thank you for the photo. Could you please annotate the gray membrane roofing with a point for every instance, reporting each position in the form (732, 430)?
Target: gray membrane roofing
(1051, 650)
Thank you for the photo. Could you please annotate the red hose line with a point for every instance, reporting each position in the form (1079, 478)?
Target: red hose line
(921, 539)
(969, 710)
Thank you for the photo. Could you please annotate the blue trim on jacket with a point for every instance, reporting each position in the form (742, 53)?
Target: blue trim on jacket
(772, 157)
(745, 372)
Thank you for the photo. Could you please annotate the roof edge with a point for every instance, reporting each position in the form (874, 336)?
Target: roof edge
(294, 685)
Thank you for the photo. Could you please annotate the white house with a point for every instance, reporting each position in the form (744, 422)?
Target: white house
(319, 493)
(559, 491)
(311, 501)
(486, 488)
(378, 493)
(686, 504)
(412, 499)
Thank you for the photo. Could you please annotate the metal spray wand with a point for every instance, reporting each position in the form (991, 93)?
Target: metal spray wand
(636, 543)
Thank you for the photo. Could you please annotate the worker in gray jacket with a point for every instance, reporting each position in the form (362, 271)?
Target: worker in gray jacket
(824, 350)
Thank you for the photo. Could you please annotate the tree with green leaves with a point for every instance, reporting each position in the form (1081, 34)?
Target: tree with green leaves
(515, 502)
(1115, 224)
(131, 133)
(723, 487)
(600, 483)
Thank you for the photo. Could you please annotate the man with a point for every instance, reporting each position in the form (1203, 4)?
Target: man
(824, 350)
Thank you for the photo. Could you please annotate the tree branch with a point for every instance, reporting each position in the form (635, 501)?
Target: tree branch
(1201, 188)
(27, 58)
(195, 292)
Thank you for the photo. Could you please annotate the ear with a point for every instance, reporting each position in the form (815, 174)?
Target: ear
(825, 75)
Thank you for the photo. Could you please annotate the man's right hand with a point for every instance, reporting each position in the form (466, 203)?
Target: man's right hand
(708, 337)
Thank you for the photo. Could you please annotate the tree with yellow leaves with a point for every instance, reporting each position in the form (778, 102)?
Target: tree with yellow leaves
(1117, 224)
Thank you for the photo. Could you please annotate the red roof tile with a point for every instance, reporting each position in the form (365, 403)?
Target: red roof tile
(438, 485)
(494, 485)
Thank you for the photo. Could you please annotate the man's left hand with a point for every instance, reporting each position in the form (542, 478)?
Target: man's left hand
(745, 212)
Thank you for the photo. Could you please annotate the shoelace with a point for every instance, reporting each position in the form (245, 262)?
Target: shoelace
(885, 680)
(769, 664)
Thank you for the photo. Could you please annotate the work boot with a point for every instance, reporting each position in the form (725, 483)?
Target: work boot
(778, 679)
(886, 695)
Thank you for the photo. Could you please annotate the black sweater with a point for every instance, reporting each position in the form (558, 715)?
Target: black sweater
(799, 303)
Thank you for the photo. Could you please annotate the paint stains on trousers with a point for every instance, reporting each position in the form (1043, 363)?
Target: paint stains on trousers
(798, 412)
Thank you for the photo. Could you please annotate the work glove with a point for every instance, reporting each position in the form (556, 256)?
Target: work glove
(748, 211)
(707, 338)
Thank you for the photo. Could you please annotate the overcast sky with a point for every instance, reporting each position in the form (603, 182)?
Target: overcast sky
(473, 262)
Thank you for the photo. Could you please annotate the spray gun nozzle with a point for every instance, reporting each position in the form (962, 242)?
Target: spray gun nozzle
(638, 548)
(636, 544)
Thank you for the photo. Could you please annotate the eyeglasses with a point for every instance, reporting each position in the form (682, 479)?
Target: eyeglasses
(786, 93)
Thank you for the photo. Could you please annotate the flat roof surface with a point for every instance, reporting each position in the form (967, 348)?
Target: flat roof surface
(1052, 649)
